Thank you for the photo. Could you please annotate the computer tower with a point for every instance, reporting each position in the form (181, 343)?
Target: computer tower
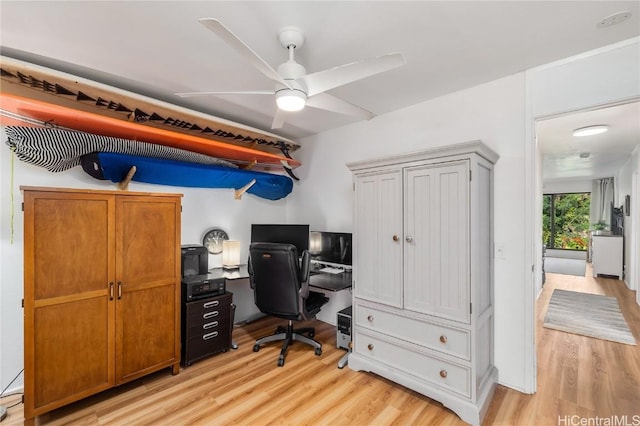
(343, 337)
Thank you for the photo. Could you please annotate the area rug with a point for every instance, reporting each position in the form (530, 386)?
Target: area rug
(590, 315)
(558, 265)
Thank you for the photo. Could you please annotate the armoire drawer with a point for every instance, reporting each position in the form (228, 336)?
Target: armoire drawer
(442, 373)
(441, 338)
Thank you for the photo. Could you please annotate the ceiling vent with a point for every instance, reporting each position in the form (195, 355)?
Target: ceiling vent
(615, 18)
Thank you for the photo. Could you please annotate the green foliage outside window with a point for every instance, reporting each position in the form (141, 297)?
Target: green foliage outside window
(565, 221)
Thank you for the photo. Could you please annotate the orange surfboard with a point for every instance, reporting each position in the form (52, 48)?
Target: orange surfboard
(17, 110)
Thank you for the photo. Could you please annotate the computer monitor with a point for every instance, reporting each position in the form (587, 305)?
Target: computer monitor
(330, 247)
(298, 235)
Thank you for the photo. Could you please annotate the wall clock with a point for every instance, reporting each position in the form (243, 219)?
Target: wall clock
(213, 240)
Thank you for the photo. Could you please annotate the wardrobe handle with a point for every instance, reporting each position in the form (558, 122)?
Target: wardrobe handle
(210, 335)
(370, 346)
(409, 238)
(208, 315)
(370, 318)
(443, 339)
(395, 238)
(210, 325)
(119, 289)
(443, 374)
(111, 291)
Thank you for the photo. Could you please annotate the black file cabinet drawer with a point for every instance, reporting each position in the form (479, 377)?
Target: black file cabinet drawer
(206, 327)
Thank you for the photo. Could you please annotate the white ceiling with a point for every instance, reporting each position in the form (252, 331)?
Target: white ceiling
(159, 48)
(607, 151)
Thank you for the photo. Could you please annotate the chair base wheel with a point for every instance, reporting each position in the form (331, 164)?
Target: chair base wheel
(256, 348)
(318, 351)
(280, 362)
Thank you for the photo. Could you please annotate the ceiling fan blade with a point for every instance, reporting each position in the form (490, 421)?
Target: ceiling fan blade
(322, 81)
(278, 119)
(245, 92)
(331, 103)
(245, 51)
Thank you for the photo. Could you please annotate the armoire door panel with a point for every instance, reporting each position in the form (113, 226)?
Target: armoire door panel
(72, 245)
(436, 243)
(419, 257)
(73, 345)
(366, 250)
(379, 231)
(146, 241)
(389, 206)
(146, 330)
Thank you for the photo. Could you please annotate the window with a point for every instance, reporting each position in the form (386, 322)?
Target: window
(565, 220)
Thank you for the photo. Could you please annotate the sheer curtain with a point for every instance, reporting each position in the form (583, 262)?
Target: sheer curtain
(601, 199)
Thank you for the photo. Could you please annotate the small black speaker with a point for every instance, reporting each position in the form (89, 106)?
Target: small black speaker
(195, 260)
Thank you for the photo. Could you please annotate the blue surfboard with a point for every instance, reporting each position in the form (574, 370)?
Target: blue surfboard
(114, 167)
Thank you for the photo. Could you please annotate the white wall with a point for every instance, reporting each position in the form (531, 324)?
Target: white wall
(492, 112)
(201, 209)
(567, 186)
(623, 188)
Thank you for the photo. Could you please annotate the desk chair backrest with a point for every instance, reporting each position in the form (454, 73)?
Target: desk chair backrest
(280, 281)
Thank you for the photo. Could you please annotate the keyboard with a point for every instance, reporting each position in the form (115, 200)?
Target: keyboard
(329, 270)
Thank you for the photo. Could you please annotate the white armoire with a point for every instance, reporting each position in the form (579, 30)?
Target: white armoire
(423, 274)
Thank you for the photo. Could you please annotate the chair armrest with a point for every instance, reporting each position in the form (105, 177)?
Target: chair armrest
(250, 271)
(304, 274)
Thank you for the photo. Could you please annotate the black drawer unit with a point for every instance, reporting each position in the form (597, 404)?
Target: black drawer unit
(206, 327)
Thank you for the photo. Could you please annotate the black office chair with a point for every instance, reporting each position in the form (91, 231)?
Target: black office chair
(280, 283)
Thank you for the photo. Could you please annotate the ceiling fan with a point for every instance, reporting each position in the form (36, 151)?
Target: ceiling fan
(294, 88)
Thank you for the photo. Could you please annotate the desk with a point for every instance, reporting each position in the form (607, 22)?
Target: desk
(331, 282)
(321, 280)
(230, 274)
(332, 285)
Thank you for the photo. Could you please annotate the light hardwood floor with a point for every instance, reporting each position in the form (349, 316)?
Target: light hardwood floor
(577, 376)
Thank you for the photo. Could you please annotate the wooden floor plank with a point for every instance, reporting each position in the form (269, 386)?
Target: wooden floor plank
(577, 375)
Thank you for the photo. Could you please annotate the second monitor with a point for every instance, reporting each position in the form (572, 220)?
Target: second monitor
(333, 248)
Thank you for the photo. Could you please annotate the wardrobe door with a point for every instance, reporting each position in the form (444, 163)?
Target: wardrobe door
(378, 253)
(148, 277)
(437, 240)
(68, 272)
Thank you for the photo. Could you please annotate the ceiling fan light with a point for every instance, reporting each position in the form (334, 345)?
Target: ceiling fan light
(290, 100)
(590, 130)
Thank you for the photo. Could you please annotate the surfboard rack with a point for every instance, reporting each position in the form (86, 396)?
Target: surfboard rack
(124, 185)
(240, 192)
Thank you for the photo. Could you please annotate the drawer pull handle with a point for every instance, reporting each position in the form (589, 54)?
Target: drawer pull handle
(210, 325)
(370, 346)
(443, 374)
(208, 315)
(443, 339)
(395, 238)
(370, 318)
(409, 238)
(211, 304)
(209, 335)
